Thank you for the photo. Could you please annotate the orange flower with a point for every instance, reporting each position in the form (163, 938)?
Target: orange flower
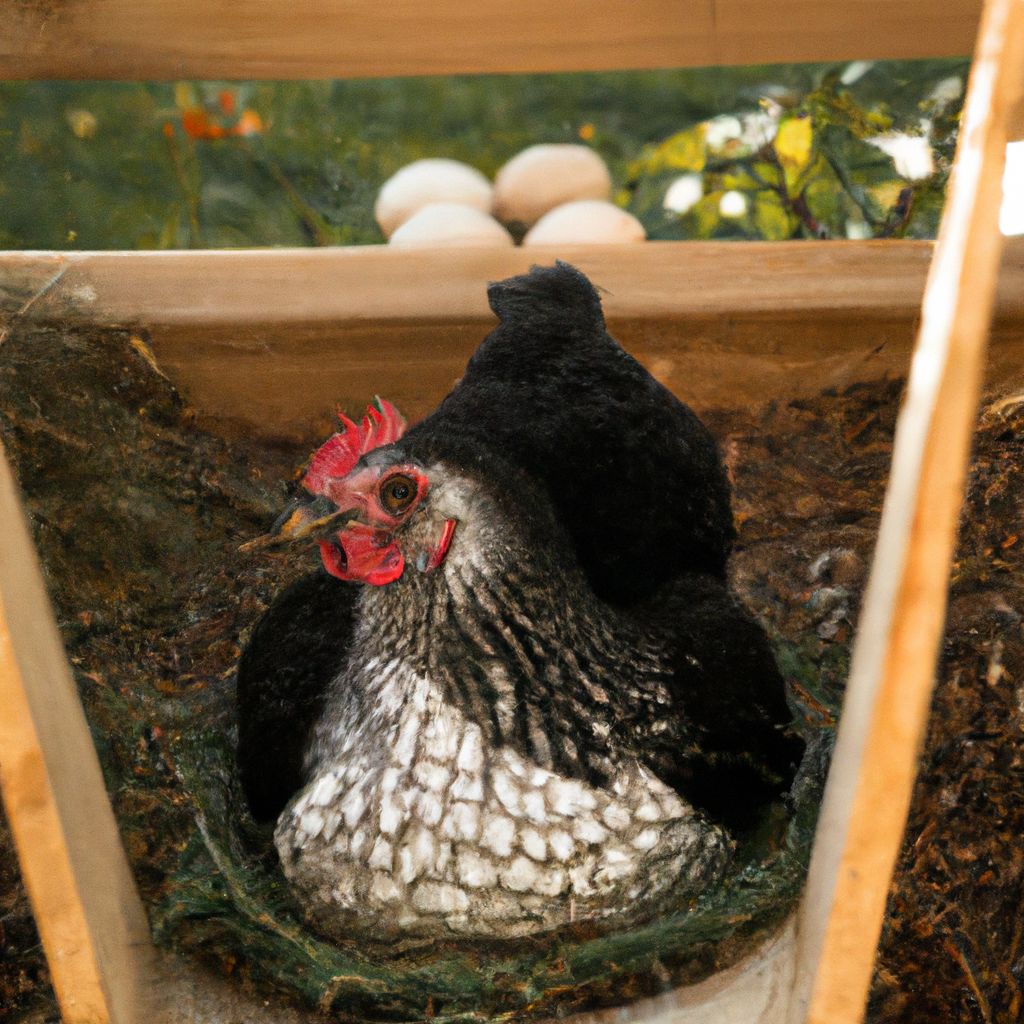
(226, 99)
(198, 125)
(586, 132)
(250, 123)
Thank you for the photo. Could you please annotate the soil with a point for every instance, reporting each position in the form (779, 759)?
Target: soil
(138, 515)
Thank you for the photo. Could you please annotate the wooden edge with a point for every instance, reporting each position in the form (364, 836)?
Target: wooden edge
(1016, 130)
(85, 903)
(164, 39)
(380, 285)
(882, 727)
(271, 341)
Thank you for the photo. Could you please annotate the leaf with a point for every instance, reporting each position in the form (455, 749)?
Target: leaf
(707, 215)
(887, 194)
(683, 151)
(794, 145)
(773, 221)
(736, 179)
(827, 201)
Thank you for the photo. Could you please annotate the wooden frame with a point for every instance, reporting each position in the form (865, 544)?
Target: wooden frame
(892, 672)
(89, 915)
(269, 339)
(815, 972)
(162, 39)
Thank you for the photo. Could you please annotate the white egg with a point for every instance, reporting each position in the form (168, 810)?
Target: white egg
(429, 181)
(450, 224)
(542, 177)
(586, 221)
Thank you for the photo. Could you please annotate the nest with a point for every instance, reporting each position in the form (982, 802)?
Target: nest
(138, 515)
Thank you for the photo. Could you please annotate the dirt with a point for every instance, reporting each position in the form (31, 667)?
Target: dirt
(138, 515)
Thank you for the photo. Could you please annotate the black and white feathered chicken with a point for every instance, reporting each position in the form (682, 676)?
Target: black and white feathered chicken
(521, 692)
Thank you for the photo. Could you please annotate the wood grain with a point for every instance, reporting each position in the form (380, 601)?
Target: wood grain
(892, 672)
(386, 287)
(166, 39)
(90, 919)
(273, 340)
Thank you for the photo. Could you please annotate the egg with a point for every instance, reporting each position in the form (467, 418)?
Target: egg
(450, 224)
(429, 181)
(590, 221)
(545, 176)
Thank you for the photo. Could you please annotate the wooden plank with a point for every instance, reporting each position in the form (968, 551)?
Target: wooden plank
(90, 919)
(382, 285)
(274, 339)
(892, 673)
(1016, 130)
(389, 287)
(165, 39)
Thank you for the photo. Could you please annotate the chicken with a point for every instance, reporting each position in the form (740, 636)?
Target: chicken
(519, 692)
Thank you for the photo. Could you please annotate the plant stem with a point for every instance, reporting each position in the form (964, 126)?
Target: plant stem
(191, 194)
(311, 220)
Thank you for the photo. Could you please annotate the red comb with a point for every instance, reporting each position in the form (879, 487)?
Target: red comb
(382, 424)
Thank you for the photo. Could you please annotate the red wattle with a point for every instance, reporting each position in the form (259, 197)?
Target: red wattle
(443, 544)
(364, 559)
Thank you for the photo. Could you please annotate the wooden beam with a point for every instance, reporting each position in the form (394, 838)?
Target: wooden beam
(272, 340)
(166, 39)
(882, 727)
(1016, 130)
(90, 919)
(390, 286)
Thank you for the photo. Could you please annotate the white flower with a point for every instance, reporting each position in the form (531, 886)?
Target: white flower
(760, 127)
(733, 204)
(1011, 216)
(911, 154)
(946, 91)
(684, 193)
(858, 229)
(721, 130)
(855, 71)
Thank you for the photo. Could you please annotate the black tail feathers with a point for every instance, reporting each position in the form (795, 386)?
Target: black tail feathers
(558, 298)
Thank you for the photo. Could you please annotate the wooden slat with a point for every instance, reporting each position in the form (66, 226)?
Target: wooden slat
(389, 286)
(167, 39)
(274, 339)
(1016, 130)
(92, 924)
(892, 673)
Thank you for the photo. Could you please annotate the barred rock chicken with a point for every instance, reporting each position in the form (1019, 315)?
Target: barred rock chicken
(520, 692)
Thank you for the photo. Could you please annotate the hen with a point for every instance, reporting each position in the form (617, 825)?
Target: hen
(520, 692)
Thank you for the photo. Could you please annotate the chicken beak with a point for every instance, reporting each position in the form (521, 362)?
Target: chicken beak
(305, 519)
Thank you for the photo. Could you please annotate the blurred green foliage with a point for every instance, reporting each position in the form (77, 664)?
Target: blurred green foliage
(864, 153)
(111, 165)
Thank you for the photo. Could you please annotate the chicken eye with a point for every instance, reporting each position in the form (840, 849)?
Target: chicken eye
(397, 493)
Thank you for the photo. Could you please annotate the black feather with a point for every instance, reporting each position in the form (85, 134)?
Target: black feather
(591, 456)
(634, 476)
(293, 654)
(739, 753)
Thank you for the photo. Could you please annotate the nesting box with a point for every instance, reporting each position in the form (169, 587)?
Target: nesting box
(266, 342)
